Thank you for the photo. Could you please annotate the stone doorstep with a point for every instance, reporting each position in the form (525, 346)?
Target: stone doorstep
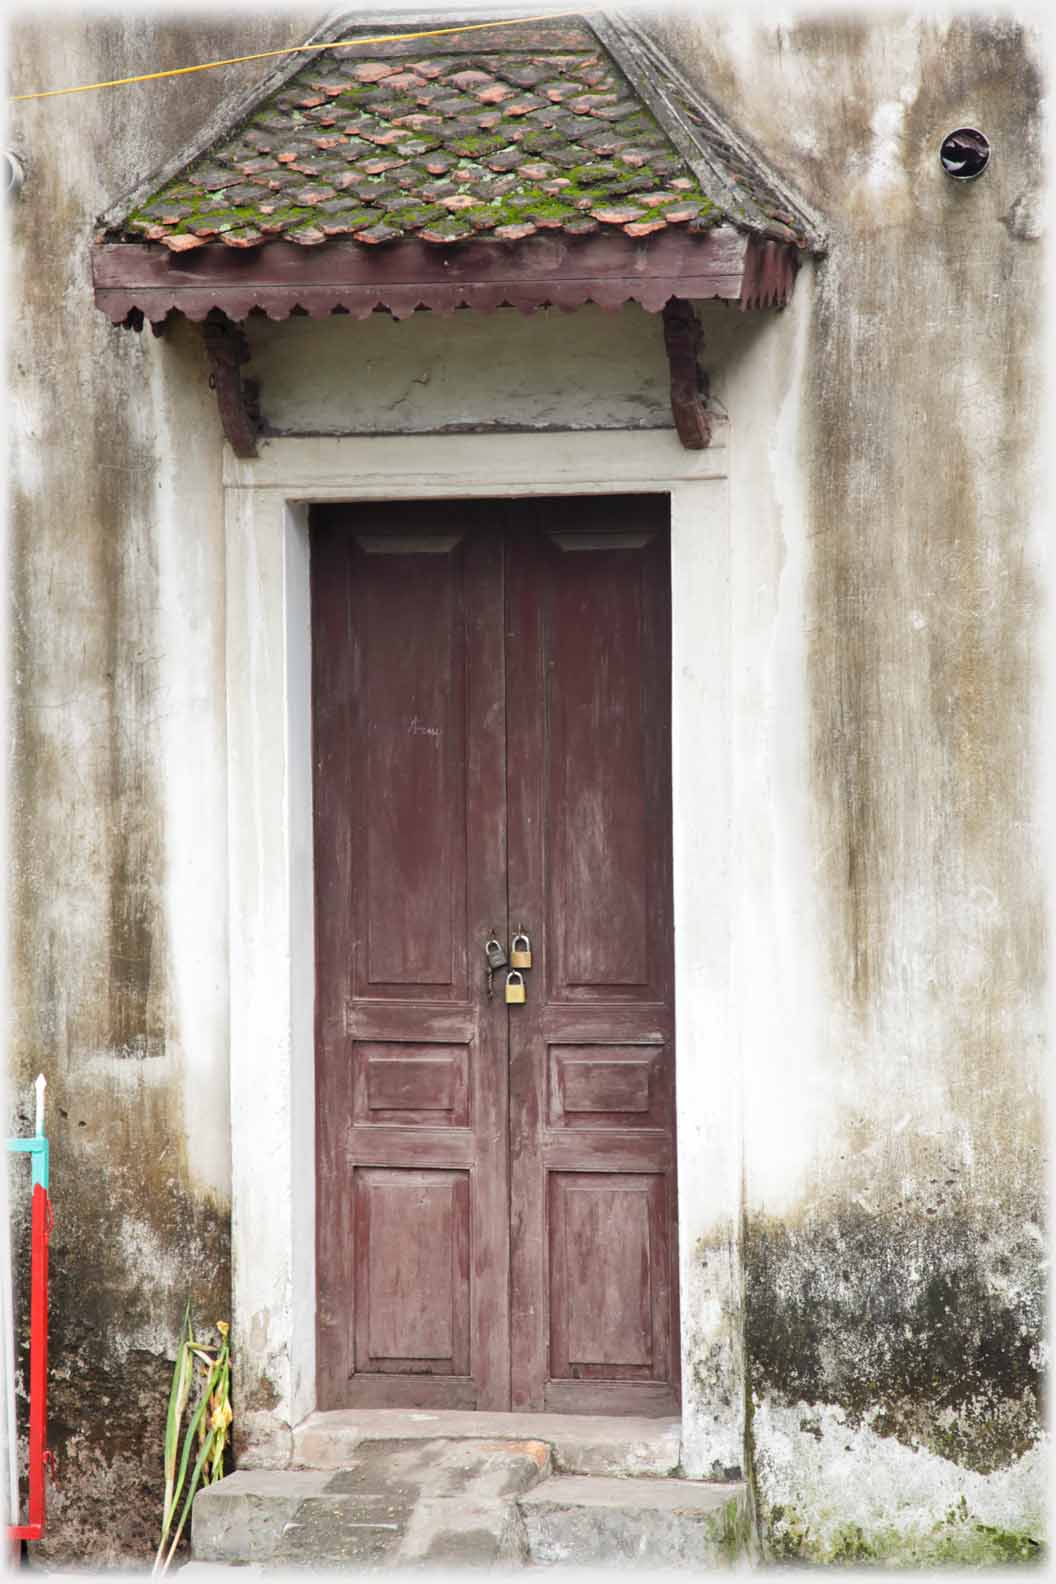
(462, 1502)
(583, 1521)
(395, 1503)
(596, 1444)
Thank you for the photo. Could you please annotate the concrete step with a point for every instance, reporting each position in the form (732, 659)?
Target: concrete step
(395, 1503)
(579, 1443)
(582, 1521)
(464, 1501)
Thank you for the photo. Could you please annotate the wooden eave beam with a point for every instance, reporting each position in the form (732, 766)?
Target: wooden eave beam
(546, 269)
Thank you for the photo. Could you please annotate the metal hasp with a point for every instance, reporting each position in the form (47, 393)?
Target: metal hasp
(689, 387)
(39, 1456)
(237, 399)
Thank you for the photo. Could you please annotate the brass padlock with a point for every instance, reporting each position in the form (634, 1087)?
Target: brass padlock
(515, 991)
(520, 955)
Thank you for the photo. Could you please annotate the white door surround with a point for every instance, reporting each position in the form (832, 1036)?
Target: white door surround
(271, 894)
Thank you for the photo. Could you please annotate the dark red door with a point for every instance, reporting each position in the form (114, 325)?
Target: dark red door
(496, 1206)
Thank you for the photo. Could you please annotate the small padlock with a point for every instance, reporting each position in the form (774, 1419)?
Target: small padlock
(514, 991)
(495, 953)
(521, 955)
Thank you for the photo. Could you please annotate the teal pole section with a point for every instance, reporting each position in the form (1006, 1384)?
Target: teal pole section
(38, 1148)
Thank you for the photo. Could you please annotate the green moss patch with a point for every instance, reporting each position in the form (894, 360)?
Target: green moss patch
(958, 1540)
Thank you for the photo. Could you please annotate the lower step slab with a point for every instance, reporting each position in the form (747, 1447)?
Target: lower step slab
(399, 1504)
(582, 1521)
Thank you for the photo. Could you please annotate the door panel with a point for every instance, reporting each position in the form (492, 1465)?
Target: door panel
(412, 904)
(591, 1073)
(413, 1085)
(608, 1086)
(491, 731)
(413, 1315)
(408, 701)
(609, 1276)
(596, 878)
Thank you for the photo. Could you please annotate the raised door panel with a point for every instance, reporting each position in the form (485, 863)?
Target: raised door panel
(609, 1086)
(609, 1277)
(412, 1267)
(411, 904)
(411, 1085)
(597, 792)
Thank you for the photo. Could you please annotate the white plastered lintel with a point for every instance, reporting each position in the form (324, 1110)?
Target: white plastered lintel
(327, 468)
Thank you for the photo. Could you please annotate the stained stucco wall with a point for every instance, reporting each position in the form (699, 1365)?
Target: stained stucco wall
(118, 888)
(892, 1053)
(886, 912)
(432, 374)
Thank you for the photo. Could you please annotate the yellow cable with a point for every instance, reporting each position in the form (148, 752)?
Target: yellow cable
(239, 60)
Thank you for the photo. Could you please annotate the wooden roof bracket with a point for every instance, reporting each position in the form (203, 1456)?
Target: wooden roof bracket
(689, 382)
(237, 399)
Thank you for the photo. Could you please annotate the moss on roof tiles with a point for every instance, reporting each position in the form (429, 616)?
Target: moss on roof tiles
(442, 147)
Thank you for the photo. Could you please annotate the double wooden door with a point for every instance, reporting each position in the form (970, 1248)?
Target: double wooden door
(491, 721)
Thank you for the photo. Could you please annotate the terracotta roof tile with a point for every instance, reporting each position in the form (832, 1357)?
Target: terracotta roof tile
(561, 126)
(520, 139)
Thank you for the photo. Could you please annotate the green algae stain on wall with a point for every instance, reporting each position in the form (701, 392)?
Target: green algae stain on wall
(957, 1540)
(909, 1348)
(925, 1330)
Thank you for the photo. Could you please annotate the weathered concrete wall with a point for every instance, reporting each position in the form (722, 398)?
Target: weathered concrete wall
(886, 913)
(119, 889)
(432, 373)
(892, 1240)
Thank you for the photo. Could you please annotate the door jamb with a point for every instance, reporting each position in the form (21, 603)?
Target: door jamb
(272, 902)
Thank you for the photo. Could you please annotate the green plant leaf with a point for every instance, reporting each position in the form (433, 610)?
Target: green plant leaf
(209, 1426)
(195, 1477)
(182, 1375)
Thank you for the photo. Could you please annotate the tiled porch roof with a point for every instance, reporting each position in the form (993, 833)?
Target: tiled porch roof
(489, 135)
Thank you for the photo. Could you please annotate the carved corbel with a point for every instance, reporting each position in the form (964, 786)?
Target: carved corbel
(236, 398)
(689, 383)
